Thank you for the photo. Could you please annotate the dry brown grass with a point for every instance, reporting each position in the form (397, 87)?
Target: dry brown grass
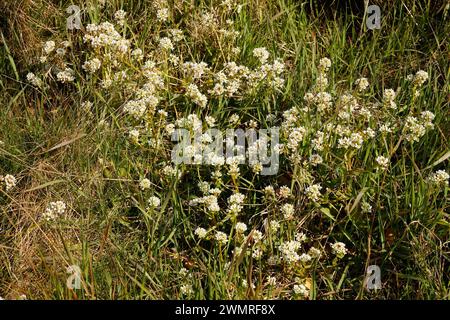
(24, 25)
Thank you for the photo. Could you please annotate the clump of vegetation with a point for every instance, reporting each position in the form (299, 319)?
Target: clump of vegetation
(88, 130)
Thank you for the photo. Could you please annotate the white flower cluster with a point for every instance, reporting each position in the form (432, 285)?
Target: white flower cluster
(34, 80)
(176, 34)
(49, 46)
(289, 250)
(439, 178)
(195, 70)
(261, 54)
(366, 207)
(145, 184)
(241, 227)
(133, 134)
(235, 202)
(186, 289)
(67, 75)
(136, 108)
(162, 14)
(191, 122)
(166, 44)
(362, 84)
(194, 93)
(388, 98)
(419, 78)
(53, 210)
(105, 36)
(313, 192)
(200, 232)
(209, 201)
(382, 161)
(295, 136)
(339, 249)
(9, 181)
(92, 65)
(119, 16)
(321, 84)
(355, 140)
(301, 290)
(237, 79)
(186, 282)
(288, 211)
(315, 160)
(415, 128)
(221, 237)
(153, 202)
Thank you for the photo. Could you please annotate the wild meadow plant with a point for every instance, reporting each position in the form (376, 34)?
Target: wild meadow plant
(142, 225)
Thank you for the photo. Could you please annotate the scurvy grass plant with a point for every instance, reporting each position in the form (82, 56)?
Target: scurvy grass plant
(362, 177)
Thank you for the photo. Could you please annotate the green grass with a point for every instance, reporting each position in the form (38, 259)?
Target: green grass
(58, 151)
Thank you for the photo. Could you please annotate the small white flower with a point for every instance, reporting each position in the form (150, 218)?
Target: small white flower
(285, 192)
(200, 232)
(177, 34)
(210, 121)
(234, 118)
(186, 289)
(54, 209)
(134, 134)
(383, 162)
(366, 207)
(315, 159)
(289, 251)
(166, 44)
(145, 184)
(439, 178)
(324, 64)
(388, 98)
(300, 237)
(257, 253)
(194, 93)
(274, 226)
(257, 236)
(313, 192)
(170, 128)
(420, 77)
(305, 258)
(261, 54)
(10, 181)
(92, 65)
(362, 84)
(339, 249)
(154, 202)
(241, 227)
(162, 14)
(288, 211)
(49, 46)
(301, 290)
(35, 81)
(269, 192)
(183, 272)
(221, 237)
(315, 253)
(119, 16)
(67, 75)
